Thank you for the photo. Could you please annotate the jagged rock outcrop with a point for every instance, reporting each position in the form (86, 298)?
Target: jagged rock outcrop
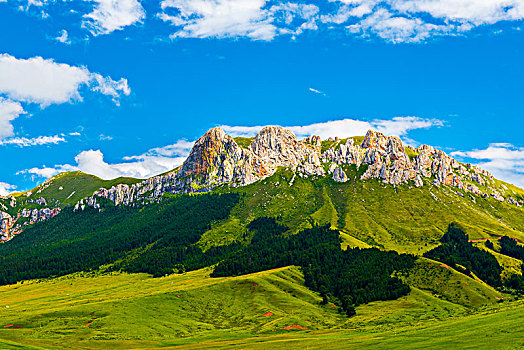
(339, 175)
(216, 160)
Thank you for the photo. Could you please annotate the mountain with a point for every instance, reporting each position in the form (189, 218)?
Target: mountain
(263, 236)
(218, 161)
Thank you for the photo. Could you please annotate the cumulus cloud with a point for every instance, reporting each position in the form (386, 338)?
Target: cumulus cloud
(400, 21)
(9, 111)
(397, 29)
(396, 21)
(253, 19)
(398, 126)
(46, 172)
(111, 15)
(153, 162)
(504, 160)
(221, 18)
(45, 82)
(6, 188)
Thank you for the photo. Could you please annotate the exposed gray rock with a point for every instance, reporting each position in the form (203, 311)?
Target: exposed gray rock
(339, 175)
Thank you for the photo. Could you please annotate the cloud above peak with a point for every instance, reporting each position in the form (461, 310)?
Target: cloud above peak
(6, 188)
(153, 162)
(504, 160)
(398, 126)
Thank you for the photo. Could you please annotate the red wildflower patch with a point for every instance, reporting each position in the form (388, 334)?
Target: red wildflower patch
(8, 325)
(444, 265)
(16, 327)
(178, 295)
(268, 314)
(294, 326)
(255, 284)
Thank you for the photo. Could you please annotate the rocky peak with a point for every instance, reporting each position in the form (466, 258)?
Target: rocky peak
(209, 152)
(375, 139)
(217, 160)
(274, 142)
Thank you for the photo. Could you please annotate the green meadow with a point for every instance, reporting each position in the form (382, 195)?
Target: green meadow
(257, 311)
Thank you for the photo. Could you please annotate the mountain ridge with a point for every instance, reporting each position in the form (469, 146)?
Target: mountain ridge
(217, 160)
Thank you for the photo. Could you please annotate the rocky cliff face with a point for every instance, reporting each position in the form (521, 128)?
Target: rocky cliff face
(217, 160)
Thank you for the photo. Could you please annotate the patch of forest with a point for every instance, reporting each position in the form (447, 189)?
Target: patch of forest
(461, 255)
(347, 278)
(155, 239)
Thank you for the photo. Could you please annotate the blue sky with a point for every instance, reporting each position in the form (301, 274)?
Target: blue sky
(124, 87)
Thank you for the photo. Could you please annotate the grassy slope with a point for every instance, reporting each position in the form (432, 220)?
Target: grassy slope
(510, 265)
(402, 218)
(447, 284)
(139, 311)
(75, 186)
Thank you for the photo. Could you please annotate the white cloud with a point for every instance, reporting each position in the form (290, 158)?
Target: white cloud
(35, 141)
(400, 21)
(220, 18)
(397, 29)
(471, 11)
(46, 172)
(315, 91)
(45, 82)
(503, 160)
(253, 19)
(111, 15)
(6, 188)
(396, 21)
(151, 163)
(9, 110)
(63, 37)
(398, 126)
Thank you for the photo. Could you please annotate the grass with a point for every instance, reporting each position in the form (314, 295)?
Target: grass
(244, 142)
(447, 284)
(510, 266)
(125, 311)
(69, 187)
(411, 153)
(368, 213)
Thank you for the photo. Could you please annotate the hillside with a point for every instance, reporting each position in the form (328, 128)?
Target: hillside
(93, 311)
(46, 200)
(325, 236)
